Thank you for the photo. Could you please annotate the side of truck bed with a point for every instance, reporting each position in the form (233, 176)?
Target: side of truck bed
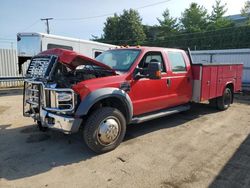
(210, 80)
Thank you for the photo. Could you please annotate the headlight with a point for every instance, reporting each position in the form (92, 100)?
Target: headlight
(63, 96)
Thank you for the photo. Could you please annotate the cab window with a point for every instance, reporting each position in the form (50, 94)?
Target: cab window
(152, 57)
(177, 62)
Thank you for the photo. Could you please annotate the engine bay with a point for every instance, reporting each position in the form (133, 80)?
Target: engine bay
(65, 77)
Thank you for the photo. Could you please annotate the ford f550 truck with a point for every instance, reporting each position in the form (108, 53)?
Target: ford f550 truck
(71, 92)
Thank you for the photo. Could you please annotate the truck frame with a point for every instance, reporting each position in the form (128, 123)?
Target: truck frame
(100, 97)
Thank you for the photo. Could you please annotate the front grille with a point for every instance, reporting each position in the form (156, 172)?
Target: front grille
(38, 66)
(54, 102)
(37, 96)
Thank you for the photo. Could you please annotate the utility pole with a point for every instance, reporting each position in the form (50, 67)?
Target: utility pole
(47, 22)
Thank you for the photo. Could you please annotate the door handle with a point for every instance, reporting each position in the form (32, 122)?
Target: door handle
(168, 82)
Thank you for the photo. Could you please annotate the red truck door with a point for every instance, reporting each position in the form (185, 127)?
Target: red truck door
(150, 95)
(180, 87)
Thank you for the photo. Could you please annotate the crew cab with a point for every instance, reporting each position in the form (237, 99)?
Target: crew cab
(100, 97)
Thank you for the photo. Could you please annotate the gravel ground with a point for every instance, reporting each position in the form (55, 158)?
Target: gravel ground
(199, 148)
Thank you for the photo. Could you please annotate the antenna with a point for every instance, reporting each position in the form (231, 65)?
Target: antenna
(47, 23)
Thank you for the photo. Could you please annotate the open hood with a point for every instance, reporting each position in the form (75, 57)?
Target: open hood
(73, 59)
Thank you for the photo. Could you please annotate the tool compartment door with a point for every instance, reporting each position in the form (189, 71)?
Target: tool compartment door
(209, 82)
(205, 82)
(239, 78)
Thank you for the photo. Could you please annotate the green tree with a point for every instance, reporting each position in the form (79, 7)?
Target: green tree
(126, 28)
(245, 11)
(111, 28)
(194, 18)
(151, 31)
(217, 19)
(168, 25)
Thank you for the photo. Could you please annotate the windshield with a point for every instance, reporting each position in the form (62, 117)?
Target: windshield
(120, 60)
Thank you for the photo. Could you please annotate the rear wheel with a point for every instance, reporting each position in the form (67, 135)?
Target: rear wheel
(225, 100)
(104, 129)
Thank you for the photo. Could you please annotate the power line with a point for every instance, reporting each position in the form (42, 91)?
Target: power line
(109, 14)
(25, 29)
(174, 36)
(167, 37)
(85, 18)
(31, 25)
(153, 4)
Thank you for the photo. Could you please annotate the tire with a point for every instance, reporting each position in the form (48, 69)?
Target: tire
(101, 121)
(40, 127)
(213, 102)
(225, 100)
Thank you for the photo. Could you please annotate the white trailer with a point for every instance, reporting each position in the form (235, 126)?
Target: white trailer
(30, 44)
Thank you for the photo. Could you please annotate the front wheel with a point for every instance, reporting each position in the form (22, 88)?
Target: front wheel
(104, 129)
(225, 100)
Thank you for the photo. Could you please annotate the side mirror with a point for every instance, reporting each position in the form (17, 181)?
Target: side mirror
(139, 73)
(154, 70)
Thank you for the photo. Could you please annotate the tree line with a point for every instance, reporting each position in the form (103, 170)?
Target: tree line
(196, 29)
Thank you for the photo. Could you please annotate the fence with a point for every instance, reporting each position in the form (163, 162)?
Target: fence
(9, 76)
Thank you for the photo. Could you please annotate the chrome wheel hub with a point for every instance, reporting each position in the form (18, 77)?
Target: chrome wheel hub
(108, 130)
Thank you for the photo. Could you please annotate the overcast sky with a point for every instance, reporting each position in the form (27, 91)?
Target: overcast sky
(24, 15)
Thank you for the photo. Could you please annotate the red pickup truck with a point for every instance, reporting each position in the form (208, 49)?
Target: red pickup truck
(70, 92)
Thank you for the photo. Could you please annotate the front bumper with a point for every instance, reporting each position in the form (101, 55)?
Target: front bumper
(41, 104)
(62, 123)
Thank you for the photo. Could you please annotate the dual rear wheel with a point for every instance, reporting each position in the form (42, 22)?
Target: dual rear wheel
(223, 102)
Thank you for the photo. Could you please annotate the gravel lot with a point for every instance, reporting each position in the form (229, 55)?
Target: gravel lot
(198, 148)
